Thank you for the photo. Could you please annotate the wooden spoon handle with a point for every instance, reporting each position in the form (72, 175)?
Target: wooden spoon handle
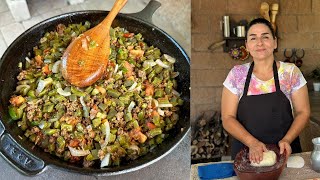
(118, 5)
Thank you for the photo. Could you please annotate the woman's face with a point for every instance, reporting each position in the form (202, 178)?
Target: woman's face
(260, 42)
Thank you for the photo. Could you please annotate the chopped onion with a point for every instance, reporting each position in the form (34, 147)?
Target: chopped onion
(47, 61)
(165, 105)
(41, 125)
(160, 63)
(133, 86)
(89, 127)
(27, 59)
(161, 113)
(63, 93)
(149, 63)
(106, 140)
(43, 83)
(56, 66)
(174, 74)
(131, 106)
(120, 73)
(76, 152)
(138, 88)
(169, 58)
(116, 69)
(22, 86)
(105, 160)
(82, 102)
(175, 92)
(74, 34)
(134, 147)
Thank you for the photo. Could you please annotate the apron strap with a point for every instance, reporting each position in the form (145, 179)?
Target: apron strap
(275, 75)
(246, 86)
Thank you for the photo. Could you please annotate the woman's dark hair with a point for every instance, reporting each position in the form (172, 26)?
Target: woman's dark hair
(262, 21)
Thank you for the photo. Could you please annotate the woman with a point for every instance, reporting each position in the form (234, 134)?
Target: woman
(258, 97)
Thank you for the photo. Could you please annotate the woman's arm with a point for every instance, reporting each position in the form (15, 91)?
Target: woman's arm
(301, 106)
(229, 106)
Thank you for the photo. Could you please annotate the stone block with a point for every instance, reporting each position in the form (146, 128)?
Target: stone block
(11, 32)
(200, 23)
(198, 109)
(6, 18)
(287, 24)
(72, 8)
(215, 24)
(208, 78)
(222, 61)
(316, 40)
(200, 42)
(51, 13)
(19, 9)
(297, 40)
(201, 60)
(308, 23)
(30, 22)
(212, 6)
(203, 95)
(218, 95)
(72, 2)
(195, 6)
(3, 46)
(315, 6)
(59, 4)
(297, 7)
(3, 6)
(243, 7)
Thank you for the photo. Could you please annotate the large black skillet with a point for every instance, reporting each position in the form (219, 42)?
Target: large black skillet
(31, 160)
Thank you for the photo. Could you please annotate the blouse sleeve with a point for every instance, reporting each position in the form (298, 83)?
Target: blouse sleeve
(229, 82)
(297, 79)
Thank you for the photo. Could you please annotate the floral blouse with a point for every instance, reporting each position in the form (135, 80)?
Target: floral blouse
(290, 79)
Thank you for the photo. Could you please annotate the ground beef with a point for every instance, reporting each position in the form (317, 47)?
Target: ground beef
(22, 75)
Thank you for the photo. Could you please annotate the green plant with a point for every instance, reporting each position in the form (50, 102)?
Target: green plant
(315, 74)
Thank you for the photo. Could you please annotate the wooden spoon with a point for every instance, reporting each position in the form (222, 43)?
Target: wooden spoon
(274, 12)
(86, 58)
(264, 10)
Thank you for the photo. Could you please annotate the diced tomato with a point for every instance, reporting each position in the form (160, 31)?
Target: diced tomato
(136, 53)
(155, 113)
(150, 125)
(149, 88)
(74, 143)
(128, 35)
(38, 59)
(45, 69)
(129, 68)
(17, 100)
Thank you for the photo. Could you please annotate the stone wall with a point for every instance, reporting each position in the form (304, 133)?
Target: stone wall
(298, 27)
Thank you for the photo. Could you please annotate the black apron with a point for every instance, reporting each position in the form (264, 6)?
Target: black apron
(267, 117)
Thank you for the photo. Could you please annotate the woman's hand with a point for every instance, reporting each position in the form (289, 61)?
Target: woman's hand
(256, 150)
(284, 145)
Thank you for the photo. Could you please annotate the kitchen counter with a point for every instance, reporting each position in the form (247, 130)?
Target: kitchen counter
(287, 174)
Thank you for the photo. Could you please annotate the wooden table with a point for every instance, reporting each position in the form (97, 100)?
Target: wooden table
(287, 174)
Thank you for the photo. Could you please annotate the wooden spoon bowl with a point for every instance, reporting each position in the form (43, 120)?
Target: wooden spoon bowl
(264, 10)
(86, 58)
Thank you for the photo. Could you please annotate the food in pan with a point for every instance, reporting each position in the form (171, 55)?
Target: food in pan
(124, 115)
